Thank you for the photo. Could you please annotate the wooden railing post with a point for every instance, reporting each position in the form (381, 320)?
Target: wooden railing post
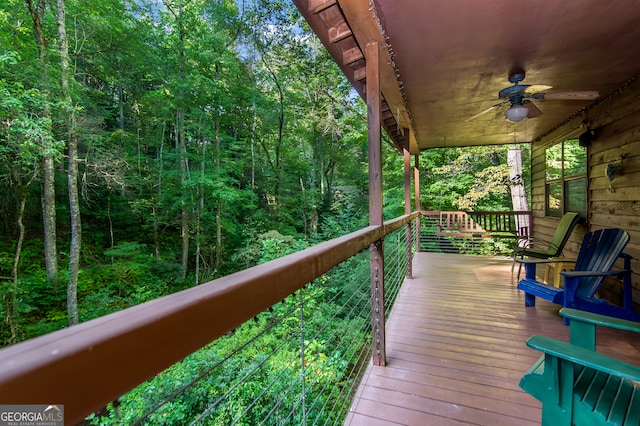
(377, 298)
(374, 102)
(407, 201)
(416, 189)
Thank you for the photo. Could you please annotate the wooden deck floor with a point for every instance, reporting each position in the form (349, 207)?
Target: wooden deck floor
(456, 348)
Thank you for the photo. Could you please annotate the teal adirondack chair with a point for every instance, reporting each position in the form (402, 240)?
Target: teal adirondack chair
(578, 386)
(598, 253)
(554, 247)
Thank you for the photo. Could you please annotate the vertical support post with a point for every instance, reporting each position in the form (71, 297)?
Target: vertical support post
(407, 200)
(374, 106)
(377, 299)
(416, 188)
(374, 103)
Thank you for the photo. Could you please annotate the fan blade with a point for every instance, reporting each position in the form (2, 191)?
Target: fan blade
(485, 111)
(537, 88)
(587, 95)
(534, 111)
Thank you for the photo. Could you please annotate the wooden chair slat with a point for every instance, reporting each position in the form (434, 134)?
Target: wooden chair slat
(578, 386)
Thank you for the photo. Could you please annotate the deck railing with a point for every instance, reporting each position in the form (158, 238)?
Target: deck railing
(458, 231)
(88, 366)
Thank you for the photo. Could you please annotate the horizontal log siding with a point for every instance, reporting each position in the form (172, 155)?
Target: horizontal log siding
(616, 120)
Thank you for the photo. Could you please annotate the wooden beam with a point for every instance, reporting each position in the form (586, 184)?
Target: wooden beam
(352, 55)
(407, 200)
(339, 32)
(386, 114)
(407, 173)
(360, 73)
(376, 251)
(317, 6)
(416, 188)
(374, 102)
(378, 327)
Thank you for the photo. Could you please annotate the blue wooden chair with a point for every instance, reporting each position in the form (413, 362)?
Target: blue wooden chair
(598, 253)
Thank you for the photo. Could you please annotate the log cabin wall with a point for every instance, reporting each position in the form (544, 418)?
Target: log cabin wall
(615, 202)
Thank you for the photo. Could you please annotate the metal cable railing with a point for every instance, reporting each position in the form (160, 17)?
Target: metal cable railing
(395, 260)
(280, 343)
(442, 232)
(297, 363)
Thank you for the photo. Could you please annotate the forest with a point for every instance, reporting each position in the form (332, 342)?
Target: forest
(150, 146)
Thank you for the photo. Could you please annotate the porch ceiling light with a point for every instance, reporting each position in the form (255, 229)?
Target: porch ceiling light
(516, 113)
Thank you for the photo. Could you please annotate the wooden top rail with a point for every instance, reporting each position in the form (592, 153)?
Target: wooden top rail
(490, 224)
(91, 364)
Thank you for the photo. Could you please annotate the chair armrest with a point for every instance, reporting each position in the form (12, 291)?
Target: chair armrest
(530, 261)
(594, 273)
(585, 357)
(529, 240)
(532, 239)
(576, 315)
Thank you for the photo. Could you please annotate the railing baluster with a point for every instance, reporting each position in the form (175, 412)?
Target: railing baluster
(408, 237)
(377, 298)
(302, 360)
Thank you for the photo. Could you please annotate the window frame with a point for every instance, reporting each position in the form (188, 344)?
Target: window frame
(564, 180)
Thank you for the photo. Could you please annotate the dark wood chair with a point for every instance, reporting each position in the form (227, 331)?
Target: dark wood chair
(553, 248)
(598, 253)
(577, 385)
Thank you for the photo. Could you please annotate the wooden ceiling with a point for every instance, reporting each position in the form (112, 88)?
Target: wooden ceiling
(444, 61)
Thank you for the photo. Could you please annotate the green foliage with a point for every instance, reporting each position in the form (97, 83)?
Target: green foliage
(468, 179)
(25, 135)
(262, 380)
(231, 125)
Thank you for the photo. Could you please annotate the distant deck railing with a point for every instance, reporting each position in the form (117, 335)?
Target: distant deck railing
(445, 228)
(87, 366)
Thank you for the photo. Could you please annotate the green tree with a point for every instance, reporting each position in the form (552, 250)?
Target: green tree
(471, 178)
(24, 139)
(37, 12)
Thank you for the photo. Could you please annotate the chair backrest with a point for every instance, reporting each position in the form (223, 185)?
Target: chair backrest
(563, 232)
(599, 251)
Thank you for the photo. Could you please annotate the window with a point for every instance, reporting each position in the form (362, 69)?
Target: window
(566, 179)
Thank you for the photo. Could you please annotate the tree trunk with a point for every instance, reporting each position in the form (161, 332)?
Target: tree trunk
(184, 232)
(111, 237)
(11, 301)
(184, 212)
(72, 143)
(182, 143)
(48, 175)
(218, 199)
(200, 206)
(305, 219)
(254, 124)
(518, 191)
(154, 198)
(49, 218)
(276, 164)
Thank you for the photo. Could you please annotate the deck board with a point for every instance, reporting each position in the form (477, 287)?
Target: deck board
(456, 348)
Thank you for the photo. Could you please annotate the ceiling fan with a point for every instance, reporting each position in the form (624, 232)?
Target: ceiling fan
(520, 96)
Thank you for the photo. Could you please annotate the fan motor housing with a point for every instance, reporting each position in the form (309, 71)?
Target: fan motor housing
(511, 91)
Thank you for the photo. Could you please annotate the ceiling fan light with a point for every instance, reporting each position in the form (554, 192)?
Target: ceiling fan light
(516, 113)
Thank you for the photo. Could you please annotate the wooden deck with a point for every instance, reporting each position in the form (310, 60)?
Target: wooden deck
(456, 348)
